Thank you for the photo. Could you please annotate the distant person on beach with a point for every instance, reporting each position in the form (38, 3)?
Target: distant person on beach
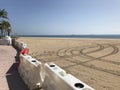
(24, 50)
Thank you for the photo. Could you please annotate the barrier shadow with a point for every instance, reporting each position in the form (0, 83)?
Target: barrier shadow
(14, 80)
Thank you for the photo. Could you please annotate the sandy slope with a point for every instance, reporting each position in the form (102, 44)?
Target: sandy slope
(94, 61)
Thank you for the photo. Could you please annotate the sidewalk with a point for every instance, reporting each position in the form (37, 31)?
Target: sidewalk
(9, 77)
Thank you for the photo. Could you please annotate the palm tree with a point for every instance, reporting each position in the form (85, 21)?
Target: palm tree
(1, 28)
(5, 26)
(3, 14)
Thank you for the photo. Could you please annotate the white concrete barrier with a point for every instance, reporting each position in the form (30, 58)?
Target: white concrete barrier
(57, 79)
(20, 45)
(49, 76)
(29, 70)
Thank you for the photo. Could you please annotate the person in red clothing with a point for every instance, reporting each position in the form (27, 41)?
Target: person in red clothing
(24, 50)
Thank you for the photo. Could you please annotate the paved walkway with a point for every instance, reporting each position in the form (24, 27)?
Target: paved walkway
(9, 77)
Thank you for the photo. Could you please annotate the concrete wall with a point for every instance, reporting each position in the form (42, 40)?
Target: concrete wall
(5, 41)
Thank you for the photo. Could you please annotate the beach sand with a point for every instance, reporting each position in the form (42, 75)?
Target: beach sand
(94, 61)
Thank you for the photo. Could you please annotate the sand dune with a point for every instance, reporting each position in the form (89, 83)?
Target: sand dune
(94, 61)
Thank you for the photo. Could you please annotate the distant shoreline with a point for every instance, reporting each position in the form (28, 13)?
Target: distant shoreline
(75, 36)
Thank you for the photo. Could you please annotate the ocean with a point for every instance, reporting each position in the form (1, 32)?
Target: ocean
(74, 36)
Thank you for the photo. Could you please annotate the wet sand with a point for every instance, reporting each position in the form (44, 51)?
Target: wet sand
(94, 61)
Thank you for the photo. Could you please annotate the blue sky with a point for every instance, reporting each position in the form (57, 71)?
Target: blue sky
(56, 17)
